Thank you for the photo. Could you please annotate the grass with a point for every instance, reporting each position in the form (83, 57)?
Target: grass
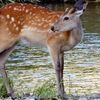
(28, 67)
(3, 91)
(46, 90)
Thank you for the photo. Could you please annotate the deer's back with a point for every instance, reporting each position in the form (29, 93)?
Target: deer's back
(17, 15)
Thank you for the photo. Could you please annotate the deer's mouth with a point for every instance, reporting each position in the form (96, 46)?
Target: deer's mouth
(54, 29)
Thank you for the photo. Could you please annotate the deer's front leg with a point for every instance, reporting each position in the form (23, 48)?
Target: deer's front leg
(61, 59)
(58, 62)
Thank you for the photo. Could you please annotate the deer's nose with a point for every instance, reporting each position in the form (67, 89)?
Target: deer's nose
(52, 28)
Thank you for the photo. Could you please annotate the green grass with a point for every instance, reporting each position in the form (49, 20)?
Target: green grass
(28, 67)
(46, 90)
(3, 91)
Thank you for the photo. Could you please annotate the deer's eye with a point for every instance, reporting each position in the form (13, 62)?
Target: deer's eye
(66, 18)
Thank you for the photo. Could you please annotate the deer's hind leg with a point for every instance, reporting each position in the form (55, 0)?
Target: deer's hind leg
(3, 57)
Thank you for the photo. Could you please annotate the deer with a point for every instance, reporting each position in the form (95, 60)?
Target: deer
(58, 31)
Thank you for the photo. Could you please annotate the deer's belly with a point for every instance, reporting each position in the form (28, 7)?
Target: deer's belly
(33, 36)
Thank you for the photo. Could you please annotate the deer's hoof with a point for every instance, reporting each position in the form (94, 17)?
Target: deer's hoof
(62, 97)
(14, 98)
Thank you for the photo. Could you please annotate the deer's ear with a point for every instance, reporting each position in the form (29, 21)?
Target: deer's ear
(78, 13)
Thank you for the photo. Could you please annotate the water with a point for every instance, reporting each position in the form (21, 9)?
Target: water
(82, 64)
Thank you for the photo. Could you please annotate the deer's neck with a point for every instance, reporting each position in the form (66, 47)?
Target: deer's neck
(76, 34)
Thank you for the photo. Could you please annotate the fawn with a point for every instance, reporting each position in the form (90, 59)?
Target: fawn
(58, 31)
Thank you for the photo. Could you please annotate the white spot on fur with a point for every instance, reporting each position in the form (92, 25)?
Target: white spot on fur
(36, 17)
(40, 24)
(5, 7)
(10, 7)
(7, 29)
(21, 4)
(61, 35)
(30, 13)
(49, 21)
(14, 25)
(44, 26)
(51, 24)
(34, 7)
(17, 28)
(12, 19)
(8, 16)
(44, 20)
(27, 11)
(15, 8)
(33, 23)
(19, 22)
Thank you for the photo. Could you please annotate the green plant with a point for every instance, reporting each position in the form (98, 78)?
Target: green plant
(4, 2)
(3, 91)
(47, 90)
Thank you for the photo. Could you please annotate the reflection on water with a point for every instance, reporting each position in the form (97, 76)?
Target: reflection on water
(81, 64)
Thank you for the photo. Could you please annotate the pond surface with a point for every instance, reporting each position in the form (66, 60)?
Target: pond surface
(82, 64)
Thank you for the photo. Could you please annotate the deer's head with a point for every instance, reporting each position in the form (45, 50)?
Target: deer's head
(68, 21)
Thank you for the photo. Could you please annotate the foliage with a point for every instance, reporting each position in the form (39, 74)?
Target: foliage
(3, 2)
(47, 90)
(3, 91)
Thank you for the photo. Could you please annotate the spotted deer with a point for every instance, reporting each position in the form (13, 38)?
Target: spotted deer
(36, 24)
